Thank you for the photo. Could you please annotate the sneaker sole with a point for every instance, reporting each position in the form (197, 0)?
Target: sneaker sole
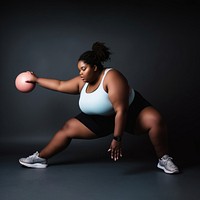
(35, 165)
(167, 171)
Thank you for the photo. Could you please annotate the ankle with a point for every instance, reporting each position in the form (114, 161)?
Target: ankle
(161, 155)
(40, 155)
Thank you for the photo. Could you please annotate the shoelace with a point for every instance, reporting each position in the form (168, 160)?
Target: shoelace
(169, 158)
(170, 163)
(34, 155)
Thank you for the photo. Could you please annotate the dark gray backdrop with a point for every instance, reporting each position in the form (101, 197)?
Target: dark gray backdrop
(154, 43)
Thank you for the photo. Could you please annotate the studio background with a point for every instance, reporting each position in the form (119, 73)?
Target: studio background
(155, 44)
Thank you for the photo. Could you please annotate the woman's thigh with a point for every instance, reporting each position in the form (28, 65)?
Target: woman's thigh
(144, 120)
(73, 128)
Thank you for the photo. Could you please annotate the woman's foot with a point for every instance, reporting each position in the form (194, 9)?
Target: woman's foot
(166, 164)
(34, 161)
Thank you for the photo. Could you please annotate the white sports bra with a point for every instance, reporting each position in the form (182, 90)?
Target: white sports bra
(98, 102)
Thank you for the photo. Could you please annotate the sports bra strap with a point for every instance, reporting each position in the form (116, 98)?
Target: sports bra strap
(106, 71)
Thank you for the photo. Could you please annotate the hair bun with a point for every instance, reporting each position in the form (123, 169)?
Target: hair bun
(102, 52)
(98, 46)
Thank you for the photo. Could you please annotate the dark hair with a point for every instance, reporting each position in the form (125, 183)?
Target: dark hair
(98, 55)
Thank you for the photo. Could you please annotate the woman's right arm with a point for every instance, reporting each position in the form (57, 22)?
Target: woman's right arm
(72, 86)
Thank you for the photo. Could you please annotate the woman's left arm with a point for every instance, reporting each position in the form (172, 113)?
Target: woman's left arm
(118, 92)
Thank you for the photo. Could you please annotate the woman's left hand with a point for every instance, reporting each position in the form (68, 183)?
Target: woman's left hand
(115, 150)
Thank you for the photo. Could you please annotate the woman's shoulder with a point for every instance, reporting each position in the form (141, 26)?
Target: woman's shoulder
(115, 73)
(78, 81)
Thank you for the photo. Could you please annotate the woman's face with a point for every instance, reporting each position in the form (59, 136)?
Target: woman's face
(87, 73)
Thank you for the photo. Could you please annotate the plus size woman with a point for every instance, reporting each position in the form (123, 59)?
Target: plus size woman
(109, 105)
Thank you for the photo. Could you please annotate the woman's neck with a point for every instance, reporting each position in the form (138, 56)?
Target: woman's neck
(97, 78)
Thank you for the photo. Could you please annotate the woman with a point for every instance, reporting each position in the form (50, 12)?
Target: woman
(108, 106)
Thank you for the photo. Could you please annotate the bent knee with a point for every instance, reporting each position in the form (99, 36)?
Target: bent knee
(149, 118)
(68, 124)
(69, 128)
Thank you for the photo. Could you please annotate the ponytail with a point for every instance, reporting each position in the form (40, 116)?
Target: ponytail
(99, 54)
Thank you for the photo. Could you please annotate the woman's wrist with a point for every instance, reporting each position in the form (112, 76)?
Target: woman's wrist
(117, 138)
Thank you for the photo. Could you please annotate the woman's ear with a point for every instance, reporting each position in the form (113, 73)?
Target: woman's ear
(95, 68)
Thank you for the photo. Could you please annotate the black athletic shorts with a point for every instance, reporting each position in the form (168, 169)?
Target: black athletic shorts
(104, 125)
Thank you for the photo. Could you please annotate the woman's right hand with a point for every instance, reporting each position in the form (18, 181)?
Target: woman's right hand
(33, 78)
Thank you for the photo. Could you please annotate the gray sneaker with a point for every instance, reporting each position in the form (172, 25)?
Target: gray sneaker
(33, 161)
(166, 164)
